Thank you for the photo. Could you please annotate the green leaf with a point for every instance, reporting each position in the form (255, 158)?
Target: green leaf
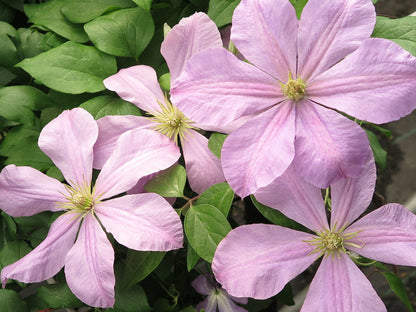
(10, 224)
(7, 29)
(400, 30)
(15, 4)
(58, 296)
(21, 147)
(215, 143)
(82, 11)
(205, 227)
(122, 33)
(37, 236)
(13, 251)
(30, 224)
(71, 68)
(145, 4)
(398, 288)
(191, 257)
(6, 13)
(383, 131)
(380, 155)
(11, 302)
(8, 52)
(164, 81)
(219, 195)
(28, 42)
(221, 11)
(133, 299)
(169, 182)
(68, 101)
(6, 76)
(275, 216)
(51, 40)
(104, 105)
(17, 103)
(49, 15)
(375, 1)
(298, 5)
(139, 264)
(55, 173)
(164, 305)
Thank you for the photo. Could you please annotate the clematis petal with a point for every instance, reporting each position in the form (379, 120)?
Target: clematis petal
(216, 88)
(296, 198)
(225, 304)
(351, 196)
(192, 35)
(138, 153)
(89, 265)
(25, 191)
(376, 83)
(48, 258)
(340, 286)
(258, 260)
(243, 300)
(328, 146)
(386, 234)
(269, 26)
(209, 304)
(139, 187)
(68, 140)
(260, 151)
(142, 222)
(329, 31)
(110, 129)
(138, 85)
(203, 168)
(203, 285)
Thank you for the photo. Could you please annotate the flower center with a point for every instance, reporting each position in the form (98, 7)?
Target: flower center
(328, 243)
(331, 242)
(79, 199)
(294, 89)
(171, 121)
(82, 202)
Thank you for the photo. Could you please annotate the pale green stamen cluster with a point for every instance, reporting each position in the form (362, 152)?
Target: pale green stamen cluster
(331, 242)
(171, 121)
(294, 89)
(80, 199)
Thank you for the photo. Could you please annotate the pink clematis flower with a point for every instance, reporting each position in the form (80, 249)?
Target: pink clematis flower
(76, 239)
(258, 260)
(217, 298)
(139, 85)
(299, 75)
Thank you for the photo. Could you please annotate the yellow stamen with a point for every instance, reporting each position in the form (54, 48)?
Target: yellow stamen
(80, 199)
(171, 121)
(331, 242)
(294, 89)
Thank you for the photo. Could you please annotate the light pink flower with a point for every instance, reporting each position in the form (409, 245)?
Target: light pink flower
(299, 74)
(139, 85)
(217, 298)
(76, 239)
(258, 260)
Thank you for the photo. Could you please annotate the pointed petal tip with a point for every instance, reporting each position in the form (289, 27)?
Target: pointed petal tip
(193, 34)
(68, 141)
